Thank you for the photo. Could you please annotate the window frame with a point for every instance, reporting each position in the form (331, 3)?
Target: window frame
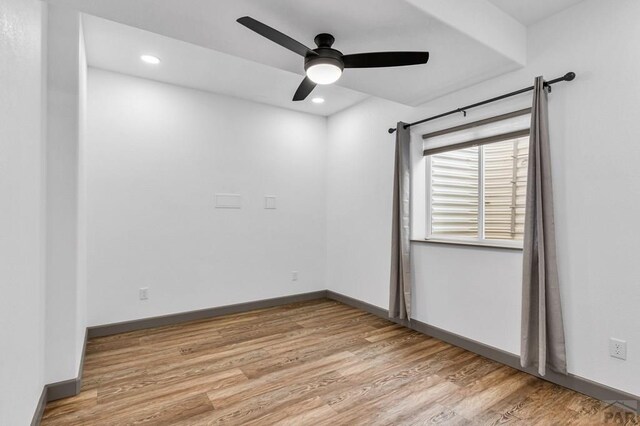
(479, 240)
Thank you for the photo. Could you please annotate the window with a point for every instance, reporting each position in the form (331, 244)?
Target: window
(477, 194)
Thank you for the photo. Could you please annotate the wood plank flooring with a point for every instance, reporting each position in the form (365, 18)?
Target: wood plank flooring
(310, 363)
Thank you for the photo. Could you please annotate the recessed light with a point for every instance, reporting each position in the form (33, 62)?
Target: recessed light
(317, 100)
(150, 59)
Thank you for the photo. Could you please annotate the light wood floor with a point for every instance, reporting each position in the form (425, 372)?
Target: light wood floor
(310, 363)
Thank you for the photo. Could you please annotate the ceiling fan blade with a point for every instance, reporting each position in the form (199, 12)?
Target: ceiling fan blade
(385, 59)
(275, 36)
(304, 89)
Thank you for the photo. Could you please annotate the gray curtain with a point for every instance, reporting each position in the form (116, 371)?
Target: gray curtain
(400, 283)
(542, 343)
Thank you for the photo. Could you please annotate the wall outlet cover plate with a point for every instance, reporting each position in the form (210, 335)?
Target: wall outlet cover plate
(618, 348)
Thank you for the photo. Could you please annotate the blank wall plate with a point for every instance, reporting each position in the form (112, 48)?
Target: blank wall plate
(228, 201)
(270, 202)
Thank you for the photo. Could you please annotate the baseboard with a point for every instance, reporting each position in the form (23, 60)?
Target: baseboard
(59, 390)
(71, 387)
(63, 389)
(172, 319)
(356, 303)
(42, 403)
(570, 381)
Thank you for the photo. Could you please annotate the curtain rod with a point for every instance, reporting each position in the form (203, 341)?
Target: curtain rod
(567, 77)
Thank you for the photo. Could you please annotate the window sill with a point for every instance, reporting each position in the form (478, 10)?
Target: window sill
(484, 244)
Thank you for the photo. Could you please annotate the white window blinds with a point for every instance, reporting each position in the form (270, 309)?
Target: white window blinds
(479, 192)
(454, 193)
(505, 187)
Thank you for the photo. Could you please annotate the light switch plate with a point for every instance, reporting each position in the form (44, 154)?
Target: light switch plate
(228, 201)
(270, 202)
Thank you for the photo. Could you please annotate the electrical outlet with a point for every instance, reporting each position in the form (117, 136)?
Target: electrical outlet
(294, 275)
(618, 348)
(144, 293)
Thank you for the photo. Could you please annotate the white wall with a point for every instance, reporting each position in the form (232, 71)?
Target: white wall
(475, 292)
(21, 207)
(156, 155)
(81, 287)
(65, 321)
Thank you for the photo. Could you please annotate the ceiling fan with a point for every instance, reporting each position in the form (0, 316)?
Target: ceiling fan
(324, 65)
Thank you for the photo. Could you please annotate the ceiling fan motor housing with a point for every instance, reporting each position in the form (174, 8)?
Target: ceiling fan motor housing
(324, 56)
(324, 40)
(324, 53)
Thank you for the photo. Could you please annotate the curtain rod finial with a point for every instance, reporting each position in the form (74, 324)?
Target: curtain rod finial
(391, 130)
(569, 76)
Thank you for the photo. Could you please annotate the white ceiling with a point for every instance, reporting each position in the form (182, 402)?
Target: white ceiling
(529, 12)
(118, 47)
(203, 47)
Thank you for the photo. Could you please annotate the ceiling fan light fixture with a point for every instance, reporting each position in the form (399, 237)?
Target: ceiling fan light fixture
(324, 73)
(324, 68)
